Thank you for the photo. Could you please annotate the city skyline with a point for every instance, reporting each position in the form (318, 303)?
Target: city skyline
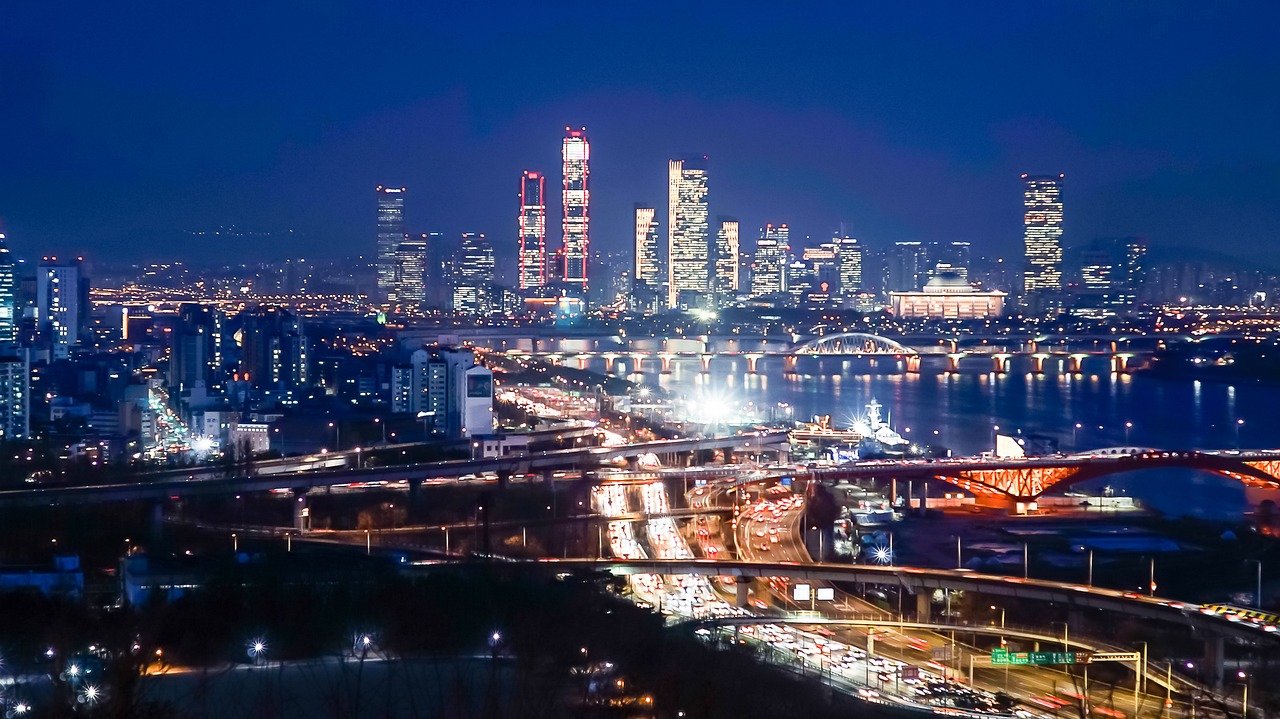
(860, 151)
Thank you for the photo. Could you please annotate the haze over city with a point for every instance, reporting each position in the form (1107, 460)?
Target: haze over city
(904, 123)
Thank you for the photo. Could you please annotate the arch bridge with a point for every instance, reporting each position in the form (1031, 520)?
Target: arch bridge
(997, 482)
(854, 344)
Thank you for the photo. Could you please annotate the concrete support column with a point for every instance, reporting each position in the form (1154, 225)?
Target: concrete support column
(924, 606)
(742, 585)
(1215, 658)
(301, 512)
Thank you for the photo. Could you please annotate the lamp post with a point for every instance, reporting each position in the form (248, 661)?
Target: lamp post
(1244, 700)
(1152, 590)
(1075, 436)
(959, 563)
(337, 436)
(1257, 595)
(1239, 423)
(378, 421)
(1091, 567)
(1127, 427)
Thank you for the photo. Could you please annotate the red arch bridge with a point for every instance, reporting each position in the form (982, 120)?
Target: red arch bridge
(1003, 482)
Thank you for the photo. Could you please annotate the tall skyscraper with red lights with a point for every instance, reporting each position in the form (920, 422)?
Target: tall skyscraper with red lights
(533, 229)
(575, 223)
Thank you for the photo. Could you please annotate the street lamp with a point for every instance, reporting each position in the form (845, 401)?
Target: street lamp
(1257, 595)
(256, 649)
(1238, 425)
(1075, 434)
(337, 436)
(1244, 701)
(1127, 427)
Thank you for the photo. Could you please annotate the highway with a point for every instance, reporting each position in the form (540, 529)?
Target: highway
(213, 480)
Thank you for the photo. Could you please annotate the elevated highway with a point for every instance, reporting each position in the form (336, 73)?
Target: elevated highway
(214, 481)
(918, 580)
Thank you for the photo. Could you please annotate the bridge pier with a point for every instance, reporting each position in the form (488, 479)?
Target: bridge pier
(752, 359)
(1000, 363)
(1075, 363)
(610, 362)
(1215, 659)
(953, 361)
(924, 606)
(301, 512)
(1037, 362)
(706, 363)
(789, 364)
(666, 362)
(741, 586)
(913, 364)
(1120, 363)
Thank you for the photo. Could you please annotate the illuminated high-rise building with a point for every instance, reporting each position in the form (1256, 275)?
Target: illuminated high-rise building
(687, 246)
(576, 201)
(390, 234)
(410, 286)
(15, 392)
(769, 266)
(646, 271)
(848, 265)
(533, 230)
(1042, 232)
(62, 303)
(725, 263)
(473, 275)
(8, 295)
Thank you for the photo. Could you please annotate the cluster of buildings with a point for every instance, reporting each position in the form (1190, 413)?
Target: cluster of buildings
(682, 257)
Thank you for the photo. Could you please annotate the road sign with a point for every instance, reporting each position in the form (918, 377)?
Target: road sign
(801, 592)
(942, 653)
(1005, 657)
(910, 673)
(826, 594)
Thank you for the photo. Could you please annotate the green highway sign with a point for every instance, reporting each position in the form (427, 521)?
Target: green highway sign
(1004, 656)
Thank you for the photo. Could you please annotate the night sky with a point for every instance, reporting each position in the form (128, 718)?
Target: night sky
(123, 126)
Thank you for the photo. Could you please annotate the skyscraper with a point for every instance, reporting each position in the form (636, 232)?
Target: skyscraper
(274, 352)
(8, 295)
(533, 229)
(687, 249)
(726, 259)
(576, 154)
(410, 286)
(390, 234)
(646, 270)
(769, 267)
(15, 392)
(473, 276)
(61, 304)
(196, 352)
(907, 267)
(1042, 232)
(849, 266)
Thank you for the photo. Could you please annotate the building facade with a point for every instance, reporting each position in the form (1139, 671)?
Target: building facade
(390, 235)
(409, 289)
(15, 391)
(848, 266)
(687, 249)
(62, 298)
(947, 296)
(726, 259)
(769, 267)
(533, 230)
(473, 276)
(273, 350)
(8, 294)
(575, 153)
(1042, 233)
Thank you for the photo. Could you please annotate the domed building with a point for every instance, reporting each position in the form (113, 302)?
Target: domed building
(948, 296)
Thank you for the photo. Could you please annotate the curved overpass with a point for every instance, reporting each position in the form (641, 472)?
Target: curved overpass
(917, 579)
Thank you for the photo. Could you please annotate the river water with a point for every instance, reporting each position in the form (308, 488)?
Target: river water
(961, 411)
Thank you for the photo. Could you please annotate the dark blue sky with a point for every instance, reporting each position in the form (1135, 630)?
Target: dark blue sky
(121, 125)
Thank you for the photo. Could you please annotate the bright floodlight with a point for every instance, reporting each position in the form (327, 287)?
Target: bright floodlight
(91, 694)
(881, 555)
(202, 444)
(21, 708)
(257, 648)
(73, 670)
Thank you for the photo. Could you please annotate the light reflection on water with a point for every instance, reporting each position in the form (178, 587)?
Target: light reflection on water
(963, 408)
